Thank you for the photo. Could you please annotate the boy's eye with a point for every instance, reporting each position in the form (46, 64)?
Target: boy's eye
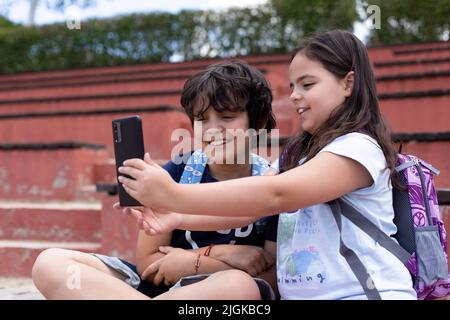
(228, 116)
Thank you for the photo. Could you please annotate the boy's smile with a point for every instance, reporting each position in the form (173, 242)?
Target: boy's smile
(220, 134)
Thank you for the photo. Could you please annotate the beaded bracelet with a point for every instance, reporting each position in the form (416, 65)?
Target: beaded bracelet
(208, 250)
(197, 263)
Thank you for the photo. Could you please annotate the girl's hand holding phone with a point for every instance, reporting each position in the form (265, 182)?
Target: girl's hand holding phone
(152, 185)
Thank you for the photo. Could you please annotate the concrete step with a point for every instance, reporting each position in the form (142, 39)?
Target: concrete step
(18, 289)
(123, 71)
(417, 114)
(411, 82)
(428, 65)
(104, 103)
(83, 91)
(439, 51)
(42, 174)
(157, 126)
(92, 81)
(50, 221)
(18, 257)
(437, 153)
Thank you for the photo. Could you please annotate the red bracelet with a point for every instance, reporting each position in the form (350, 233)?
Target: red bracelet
(208, 250)
(197, 263)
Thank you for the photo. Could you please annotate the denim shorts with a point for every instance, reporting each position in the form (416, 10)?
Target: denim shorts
(131, 277)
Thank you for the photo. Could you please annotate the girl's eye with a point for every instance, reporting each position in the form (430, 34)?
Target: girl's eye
(307, 85)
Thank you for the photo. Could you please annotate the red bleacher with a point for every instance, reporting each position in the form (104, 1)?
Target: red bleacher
(55, 139)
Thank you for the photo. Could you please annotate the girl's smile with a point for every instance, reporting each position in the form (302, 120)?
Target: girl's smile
(301, 111)
(316, 92)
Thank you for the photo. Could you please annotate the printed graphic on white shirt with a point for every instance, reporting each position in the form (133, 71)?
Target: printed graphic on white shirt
(299, 262)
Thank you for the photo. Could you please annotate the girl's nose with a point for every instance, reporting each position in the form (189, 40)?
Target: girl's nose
(295, 96)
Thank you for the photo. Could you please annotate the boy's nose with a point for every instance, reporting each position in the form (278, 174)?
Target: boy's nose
(214, 124)
(213, 134)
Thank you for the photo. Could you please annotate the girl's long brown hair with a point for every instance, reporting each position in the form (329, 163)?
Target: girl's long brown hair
(341, 52)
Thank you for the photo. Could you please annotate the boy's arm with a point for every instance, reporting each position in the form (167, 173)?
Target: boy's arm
(270, 275)
(147, 249)
(148, 252)
(177, 263)
(156, 261)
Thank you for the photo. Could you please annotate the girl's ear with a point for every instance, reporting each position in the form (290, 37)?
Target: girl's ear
(348, 82)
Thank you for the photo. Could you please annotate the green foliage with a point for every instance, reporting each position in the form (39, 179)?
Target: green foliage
(277, 26)
(317, 16)
(61, 4)
(408, 21)
(5, 23)
(162, 37)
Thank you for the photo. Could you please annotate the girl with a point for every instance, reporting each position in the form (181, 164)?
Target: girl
(226, 96)
(343, 151)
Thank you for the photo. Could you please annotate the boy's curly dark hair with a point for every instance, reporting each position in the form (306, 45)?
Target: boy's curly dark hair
(230, 86)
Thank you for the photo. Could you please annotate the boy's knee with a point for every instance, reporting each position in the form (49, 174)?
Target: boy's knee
(239, 282)
(47, 258)
(47, 266)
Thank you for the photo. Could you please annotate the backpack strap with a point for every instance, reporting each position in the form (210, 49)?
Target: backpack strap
(358, 268)
(415, 162)
(352, 214)
(196, 164)
(341, 207)
(194, 168)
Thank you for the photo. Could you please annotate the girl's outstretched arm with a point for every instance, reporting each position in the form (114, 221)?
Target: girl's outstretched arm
(325, 177)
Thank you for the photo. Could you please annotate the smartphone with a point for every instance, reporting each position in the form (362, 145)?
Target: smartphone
(128, 144)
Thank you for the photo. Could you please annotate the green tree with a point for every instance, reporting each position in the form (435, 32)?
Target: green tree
(162, 36)
(409, 21)
(316, 16)
(5, 23)
(56, 5)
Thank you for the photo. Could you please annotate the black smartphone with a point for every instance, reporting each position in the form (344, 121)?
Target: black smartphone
(128, 144)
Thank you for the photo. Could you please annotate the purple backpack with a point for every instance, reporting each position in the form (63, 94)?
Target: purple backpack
(420, 232)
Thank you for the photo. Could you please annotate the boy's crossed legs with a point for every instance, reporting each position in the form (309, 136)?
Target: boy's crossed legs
(97, 281)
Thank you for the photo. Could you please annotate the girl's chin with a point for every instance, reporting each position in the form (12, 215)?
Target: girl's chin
(308, 128)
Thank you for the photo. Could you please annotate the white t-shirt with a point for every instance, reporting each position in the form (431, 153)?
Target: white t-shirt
(309, 265)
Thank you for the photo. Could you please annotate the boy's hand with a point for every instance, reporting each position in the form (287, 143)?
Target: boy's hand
(152, 185)
(177, 263)
(251, 259)
(151, 221)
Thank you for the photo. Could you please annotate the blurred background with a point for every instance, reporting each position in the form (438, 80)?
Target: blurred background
(67, 68)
